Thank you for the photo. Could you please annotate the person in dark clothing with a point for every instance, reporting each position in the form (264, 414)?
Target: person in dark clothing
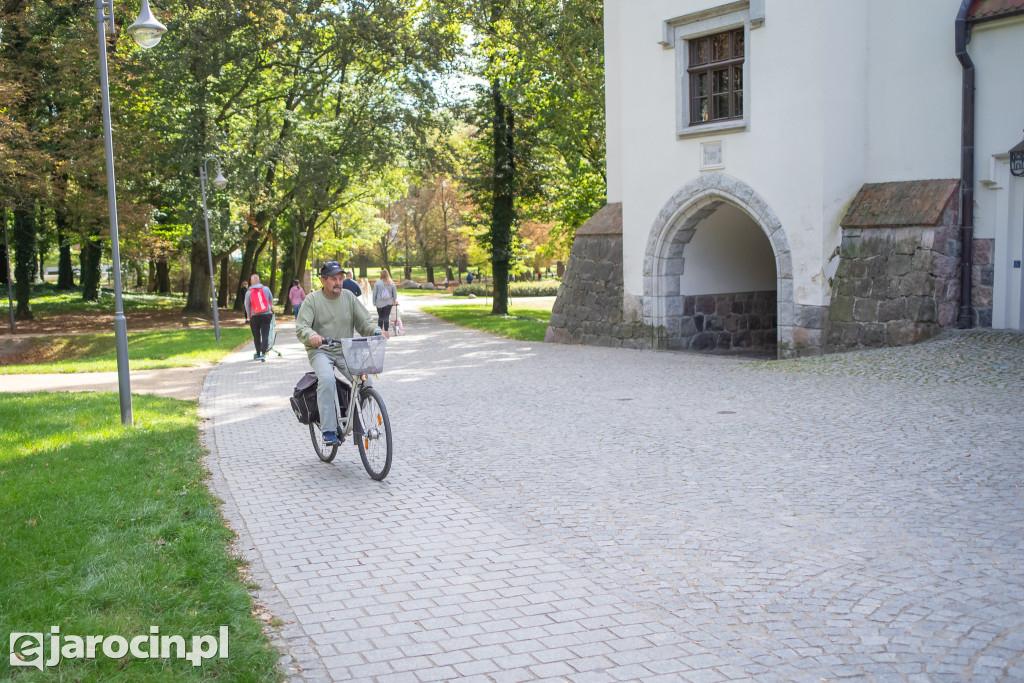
(350, 284)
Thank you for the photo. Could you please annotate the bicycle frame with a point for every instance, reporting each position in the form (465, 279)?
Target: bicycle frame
(345, 422)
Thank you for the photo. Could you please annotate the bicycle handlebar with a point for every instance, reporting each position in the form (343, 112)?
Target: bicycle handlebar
(328, 341)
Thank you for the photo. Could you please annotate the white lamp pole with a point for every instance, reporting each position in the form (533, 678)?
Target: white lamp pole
(220, 182)
(147, 32)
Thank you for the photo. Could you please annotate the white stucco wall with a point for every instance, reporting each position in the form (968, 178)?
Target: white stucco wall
(913, 98)
(729, 253)
(613, 103)
(779, 156)
(996, 49)
(838, 94)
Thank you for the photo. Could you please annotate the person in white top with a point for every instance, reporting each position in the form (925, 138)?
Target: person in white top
(385, 295)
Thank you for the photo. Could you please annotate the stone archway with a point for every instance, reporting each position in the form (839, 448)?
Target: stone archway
(672, 231)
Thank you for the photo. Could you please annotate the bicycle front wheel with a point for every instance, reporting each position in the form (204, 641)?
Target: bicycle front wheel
(373, 434)
(325, 453)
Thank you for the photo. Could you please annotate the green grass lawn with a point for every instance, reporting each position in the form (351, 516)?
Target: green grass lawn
(525, 323)
(423, 292)
(108, 530)
(146, 350)
(47, 300)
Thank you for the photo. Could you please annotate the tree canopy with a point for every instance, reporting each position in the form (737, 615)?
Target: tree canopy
(327, 118)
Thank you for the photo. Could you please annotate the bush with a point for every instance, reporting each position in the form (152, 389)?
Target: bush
(514, 289)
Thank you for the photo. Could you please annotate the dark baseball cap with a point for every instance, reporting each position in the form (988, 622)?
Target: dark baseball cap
(330, 268)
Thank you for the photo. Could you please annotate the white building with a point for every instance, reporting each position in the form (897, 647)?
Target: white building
(765, 164)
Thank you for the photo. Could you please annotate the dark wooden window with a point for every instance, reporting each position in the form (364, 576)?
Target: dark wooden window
(716, 77)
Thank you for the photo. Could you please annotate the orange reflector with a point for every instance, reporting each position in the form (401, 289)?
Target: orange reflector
(380, 420)
(366, 442)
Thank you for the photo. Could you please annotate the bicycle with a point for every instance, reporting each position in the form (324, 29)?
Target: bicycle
(366, 419)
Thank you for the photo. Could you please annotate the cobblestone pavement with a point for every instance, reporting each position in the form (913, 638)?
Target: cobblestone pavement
(586, 514)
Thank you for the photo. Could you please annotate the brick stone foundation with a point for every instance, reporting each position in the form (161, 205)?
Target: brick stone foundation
(898, 278)
(982, 279)
(588, 309)
(726, 322)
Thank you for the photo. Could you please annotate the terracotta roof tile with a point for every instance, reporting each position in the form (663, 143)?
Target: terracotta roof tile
(909, 202)
(985, 10)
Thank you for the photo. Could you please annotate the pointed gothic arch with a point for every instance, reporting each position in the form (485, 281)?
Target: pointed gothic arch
(673, 229)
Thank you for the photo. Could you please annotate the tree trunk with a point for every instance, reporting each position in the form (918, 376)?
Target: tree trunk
(307, 244)
(273, 259)
(90, 262)
(503, 210)
(65, 273)
(256, 256)
(6, 273)
(198, 300)
(430, 273)
(382, 245)
(151, 281)
(447, 258)
(362, 261)
(222, 290)
(163, 277)
(287, 274)
(24, 236)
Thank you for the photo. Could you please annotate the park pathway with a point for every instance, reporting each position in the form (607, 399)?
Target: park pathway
(585, 514)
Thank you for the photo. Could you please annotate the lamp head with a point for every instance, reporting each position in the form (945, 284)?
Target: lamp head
(1017, 160)
(220, 182)
(146, 31)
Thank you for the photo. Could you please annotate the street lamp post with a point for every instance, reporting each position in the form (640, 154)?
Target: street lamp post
(444, 218)
(7, 272)
(146, 31)
(220, 182)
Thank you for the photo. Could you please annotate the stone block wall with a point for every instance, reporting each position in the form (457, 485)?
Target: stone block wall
(588, 308)
(898, 279)
(982, 282)
(726, 322)
(894, 286)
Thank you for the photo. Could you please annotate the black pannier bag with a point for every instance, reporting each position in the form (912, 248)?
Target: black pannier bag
(304, 403)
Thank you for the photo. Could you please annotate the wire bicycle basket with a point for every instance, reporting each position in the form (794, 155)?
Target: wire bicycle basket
(364, 355)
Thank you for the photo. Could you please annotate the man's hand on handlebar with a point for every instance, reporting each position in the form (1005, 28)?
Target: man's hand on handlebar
(315, 341)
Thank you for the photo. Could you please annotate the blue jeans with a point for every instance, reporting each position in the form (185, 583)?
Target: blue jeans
(295, 310)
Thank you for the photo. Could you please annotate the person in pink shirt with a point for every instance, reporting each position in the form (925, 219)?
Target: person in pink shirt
(296, 295)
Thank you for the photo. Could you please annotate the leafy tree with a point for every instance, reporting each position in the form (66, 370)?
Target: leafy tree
(539, 148)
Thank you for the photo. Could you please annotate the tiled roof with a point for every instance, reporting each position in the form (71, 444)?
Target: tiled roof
(984, 10)
(910, 202)
(607, 221)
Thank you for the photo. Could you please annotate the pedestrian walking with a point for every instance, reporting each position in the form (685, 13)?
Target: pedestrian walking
(385, 295)
(296, 295)
(350, 284)
(259, 311)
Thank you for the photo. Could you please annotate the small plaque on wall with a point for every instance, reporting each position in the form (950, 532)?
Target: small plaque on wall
(711, 155)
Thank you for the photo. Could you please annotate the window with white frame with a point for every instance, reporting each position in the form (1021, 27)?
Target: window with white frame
(712, 66)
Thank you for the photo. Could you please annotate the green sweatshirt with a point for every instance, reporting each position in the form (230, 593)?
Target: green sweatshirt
(337, 318)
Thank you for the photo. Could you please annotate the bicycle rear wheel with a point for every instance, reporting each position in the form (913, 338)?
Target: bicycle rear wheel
(372, 434)
(325, 453)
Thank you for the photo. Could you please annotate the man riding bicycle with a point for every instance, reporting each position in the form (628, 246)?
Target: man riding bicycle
(332, 312)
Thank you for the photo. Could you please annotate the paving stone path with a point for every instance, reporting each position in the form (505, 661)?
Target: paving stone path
(583, 514)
